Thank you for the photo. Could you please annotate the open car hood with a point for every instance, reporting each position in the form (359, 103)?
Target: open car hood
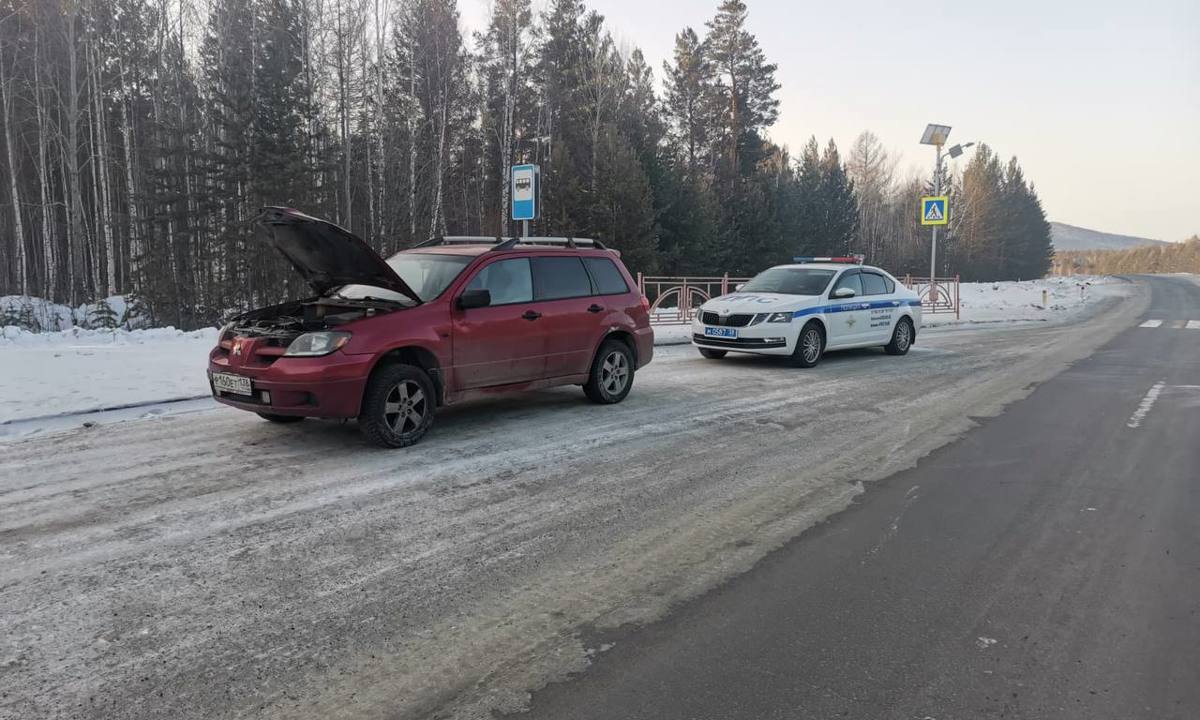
(326, 255)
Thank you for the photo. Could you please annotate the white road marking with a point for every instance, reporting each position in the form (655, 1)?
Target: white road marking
(1151, 323)
(1193, 325)
(1143, 408)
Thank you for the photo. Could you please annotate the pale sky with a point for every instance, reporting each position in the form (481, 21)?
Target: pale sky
(1099, 99)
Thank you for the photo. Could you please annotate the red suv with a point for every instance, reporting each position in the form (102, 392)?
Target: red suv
(451, 319)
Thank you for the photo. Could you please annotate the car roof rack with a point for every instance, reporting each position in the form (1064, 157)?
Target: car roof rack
(499, 243)
(848, 259)
(569, 242)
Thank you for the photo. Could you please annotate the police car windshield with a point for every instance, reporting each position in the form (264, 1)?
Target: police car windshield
(790, 281)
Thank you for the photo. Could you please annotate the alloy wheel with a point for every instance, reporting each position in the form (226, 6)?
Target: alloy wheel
(614, 373)
(811, 345)
(405, 407)
(903, 337)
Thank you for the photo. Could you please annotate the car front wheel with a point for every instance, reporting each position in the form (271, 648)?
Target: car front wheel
(612, 374)
(809, 346)
(398, 406)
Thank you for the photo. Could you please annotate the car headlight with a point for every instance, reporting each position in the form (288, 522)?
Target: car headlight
(315, 344)
(779, 317)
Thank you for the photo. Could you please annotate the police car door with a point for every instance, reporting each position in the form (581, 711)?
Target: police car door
(880, 293)
(849, 316)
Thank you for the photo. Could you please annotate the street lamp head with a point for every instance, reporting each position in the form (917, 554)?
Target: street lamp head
(935, 135)
(957, 150)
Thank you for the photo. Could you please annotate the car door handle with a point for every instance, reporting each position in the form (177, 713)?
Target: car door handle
(596, 308)
(531, 315)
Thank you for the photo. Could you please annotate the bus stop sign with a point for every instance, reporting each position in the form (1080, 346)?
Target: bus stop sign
(526, 192)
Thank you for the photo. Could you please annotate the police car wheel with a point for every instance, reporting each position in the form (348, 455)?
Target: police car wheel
(809, 346)
(712, 354)
(902, 337)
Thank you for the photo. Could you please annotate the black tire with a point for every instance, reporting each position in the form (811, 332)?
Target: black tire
(712, 354)
(902, 338)
(281, 419)
(611, 376)
(398, 406)
(810, 346)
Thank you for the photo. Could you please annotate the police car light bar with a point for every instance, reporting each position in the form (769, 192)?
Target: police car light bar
(853, 259)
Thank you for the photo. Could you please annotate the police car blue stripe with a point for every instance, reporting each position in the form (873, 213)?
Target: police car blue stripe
(851, 307)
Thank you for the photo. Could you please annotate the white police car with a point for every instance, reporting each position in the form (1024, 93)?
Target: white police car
(804, 309)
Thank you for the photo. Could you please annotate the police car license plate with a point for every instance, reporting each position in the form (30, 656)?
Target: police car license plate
(230, 383)
(721, 332)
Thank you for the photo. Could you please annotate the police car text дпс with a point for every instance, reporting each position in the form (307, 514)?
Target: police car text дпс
(804, 309)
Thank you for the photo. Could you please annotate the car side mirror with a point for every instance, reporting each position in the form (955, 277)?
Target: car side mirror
(844, 292)
(474, 299)
(738, 287)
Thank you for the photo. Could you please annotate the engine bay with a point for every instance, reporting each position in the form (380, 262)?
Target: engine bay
(290, 320)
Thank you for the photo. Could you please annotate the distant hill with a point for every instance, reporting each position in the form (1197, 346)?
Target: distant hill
(1070, 237)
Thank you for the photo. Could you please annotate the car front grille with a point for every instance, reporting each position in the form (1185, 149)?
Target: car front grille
(711, 318)
(735, 343)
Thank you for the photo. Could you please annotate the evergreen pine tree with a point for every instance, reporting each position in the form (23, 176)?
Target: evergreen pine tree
(837, 203)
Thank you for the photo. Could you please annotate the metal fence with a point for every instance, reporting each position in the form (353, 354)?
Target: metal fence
(940, 296)
(674, 300)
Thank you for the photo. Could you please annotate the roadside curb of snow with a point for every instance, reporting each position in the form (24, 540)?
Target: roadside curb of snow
(109, 408)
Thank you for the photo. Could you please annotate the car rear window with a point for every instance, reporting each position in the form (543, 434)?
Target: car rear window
(555, 278)
(608, 278)
(873, 284)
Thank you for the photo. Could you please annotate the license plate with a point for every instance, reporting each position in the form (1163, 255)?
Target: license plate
(228, 382)
(721, 332)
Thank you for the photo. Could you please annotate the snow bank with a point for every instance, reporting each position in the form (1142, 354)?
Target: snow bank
(1023, 301)
(78, 370)
(40, 315)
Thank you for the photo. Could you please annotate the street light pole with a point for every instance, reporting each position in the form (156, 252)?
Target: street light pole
(937, 190)
(936, 135)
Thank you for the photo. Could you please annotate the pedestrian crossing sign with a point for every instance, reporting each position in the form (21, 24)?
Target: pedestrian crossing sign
(934, 210)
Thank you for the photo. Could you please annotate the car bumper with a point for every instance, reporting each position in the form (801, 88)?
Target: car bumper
(761, 339)
(643, 338)
(330, 386)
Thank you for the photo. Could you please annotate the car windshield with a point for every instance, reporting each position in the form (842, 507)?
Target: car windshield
(428, 274)
(790, 281)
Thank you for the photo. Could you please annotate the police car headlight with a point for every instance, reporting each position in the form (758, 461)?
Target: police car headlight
(779, 317)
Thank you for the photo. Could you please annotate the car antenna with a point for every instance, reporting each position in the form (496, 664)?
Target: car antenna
(430, 242)
(571, 242)
(508, 244)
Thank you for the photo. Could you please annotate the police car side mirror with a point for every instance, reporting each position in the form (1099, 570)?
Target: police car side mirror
(844, 292)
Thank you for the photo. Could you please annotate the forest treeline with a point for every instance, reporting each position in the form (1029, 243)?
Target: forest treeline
(141, 137)
(1157, 258)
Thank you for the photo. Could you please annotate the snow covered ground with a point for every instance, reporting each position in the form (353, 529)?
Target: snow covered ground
(75, 371)
(1022, 301)
(78, 371)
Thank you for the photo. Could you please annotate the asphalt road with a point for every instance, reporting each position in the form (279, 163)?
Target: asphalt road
(1045, 565)
(212, 565)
